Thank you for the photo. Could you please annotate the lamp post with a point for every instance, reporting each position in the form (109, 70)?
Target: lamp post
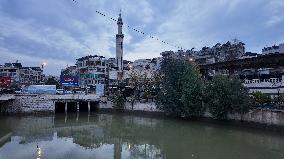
(42, 66)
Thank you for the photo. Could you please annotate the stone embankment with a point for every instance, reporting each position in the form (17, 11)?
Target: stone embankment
(261, 116)
(27, 104)
(46, 103)
(30, 103)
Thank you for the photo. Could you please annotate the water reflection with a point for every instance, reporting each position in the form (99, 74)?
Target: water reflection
(121, 136)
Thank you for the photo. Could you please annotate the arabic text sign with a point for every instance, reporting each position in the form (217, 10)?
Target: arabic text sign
(69, 80)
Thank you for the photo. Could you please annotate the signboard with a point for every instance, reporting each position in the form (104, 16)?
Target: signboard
(69, 81)
(92, 75)
(5, 82)
(40, 89)
(100, 89)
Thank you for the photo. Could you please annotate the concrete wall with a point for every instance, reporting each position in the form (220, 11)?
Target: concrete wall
(147, 106)
(28, 104)
(269, 117)
(39, 103)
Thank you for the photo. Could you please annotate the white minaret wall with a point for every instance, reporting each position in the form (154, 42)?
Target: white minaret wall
(119, 44)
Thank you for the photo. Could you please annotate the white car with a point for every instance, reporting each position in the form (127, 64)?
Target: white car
(18, 92)
(59, 91)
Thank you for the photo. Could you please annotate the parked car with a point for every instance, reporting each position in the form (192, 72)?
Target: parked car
(59, 91)
(18, 91)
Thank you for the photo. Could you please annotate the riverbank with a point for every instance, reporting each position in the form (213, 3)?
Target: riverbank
(229, 122)
(257, 116)
(38, 104)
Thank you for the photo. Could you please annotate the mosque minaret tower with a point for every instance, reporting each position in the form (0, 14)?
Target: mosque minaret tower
(119, 44)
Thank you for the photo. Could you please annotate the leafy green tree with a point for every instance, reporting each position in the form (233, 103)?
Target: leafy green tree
(192, 92)
(118, 100)
(226, 95)
(169, 96)
(261, 98)
(281, 98)
(52, 81)
(180, 89)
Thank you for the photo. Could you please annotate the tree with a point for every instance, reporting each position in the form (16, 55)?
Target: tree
(192, 92)
(52, 81)
(261, 98)
(180, 89)
(226, 94)
(118, 100)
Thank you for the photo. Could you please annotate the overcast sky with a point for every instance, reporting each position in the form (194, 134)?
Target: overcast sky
(59, 31)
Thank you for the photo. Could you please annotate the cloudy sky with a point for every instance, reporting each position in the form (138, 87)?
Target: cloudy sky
(59, 31)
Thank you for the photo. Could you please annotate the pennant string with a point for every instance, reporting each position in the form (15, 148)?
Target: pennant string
(138, 31)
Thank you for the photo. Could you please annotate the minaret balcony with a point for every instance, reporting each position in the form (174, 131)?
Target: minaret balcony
(119, 36)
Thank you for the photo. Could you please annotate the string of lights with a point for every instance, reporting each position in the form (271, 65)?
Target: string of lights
(139, 31)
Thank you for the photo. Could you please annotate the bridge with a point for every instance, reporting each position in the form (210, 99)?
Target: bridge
(75, 102)
(73, 97)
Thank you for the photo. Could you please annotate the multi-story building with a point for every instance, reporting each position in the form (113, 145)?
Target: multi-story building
(31, 75)
(22, 75)
(147, 67)
(273, 49)
(91, 70)
(11, 70)
(69, 71)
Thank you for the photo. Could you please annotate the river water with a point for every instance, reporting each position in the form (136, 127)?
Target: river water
(107, 136)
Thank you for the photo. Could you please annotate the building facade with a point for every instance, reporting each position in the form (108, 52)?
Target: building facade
(22, 75)
(273, 49)
(91, 70)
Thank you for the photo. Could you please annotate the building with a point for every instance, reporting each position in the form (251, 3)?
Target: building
(273, 49)
(11, 70)
(31, 76)
(144, 67)
(91, 70)
(69, 71)
(270, 86)
(249, 55)
(22, 75)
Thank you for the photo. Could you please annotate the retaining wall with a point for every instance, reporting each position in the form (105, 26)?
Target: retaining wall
(39, 103)
(262, 116)
(28, 104)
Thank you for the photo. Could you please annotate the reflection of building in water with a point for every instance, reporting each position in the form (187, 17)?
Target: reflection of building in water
(121, 136)
(124, 133)
(95, 131)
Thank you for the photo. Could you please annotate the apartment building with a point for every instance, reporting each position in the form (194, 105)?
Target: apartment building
(22, 75)
(273, 49)
(91, 70)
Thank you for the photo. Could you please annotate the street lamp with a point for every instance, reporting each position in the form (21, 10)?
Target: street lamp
(43, 64)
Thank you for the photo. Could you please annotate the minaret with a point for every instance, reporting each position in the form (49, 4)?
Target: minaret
(119, 44)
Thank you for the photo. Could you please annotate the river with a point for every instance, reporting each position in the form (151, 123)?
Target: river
(107, 136)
